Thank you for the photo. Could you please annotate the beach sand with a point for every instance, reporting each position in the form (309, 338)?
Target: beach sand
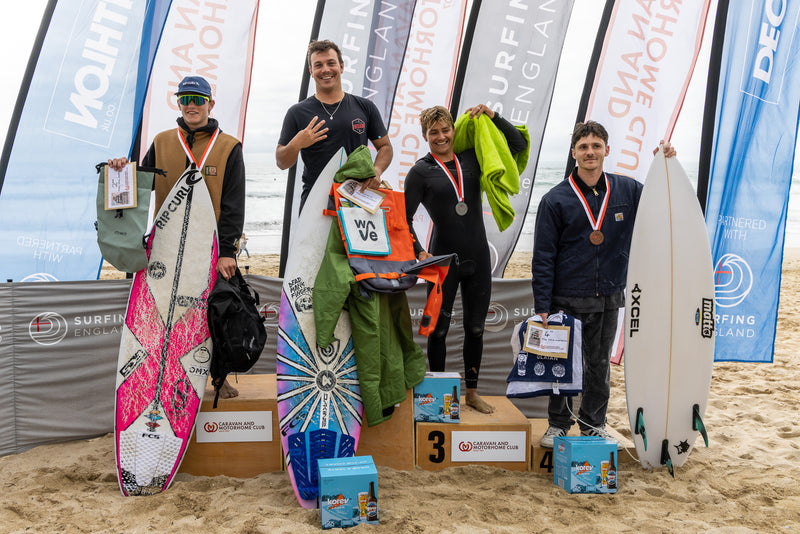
(746, 481)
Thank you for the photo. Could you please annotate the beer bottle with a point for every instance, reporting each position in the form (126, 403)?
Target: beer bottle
(372, 504)
(454, 405)
(612, 473)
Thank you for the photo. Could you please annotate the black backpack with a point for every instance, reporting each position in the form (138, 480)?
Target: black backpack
(237, 329)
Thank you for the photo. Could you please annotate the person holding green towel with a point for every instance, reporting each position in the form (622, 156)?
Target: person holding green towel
(448, 186)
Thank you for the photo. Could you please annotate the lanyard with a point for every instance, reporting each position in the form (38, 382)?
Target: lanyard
(458, 185)
(185, 146)
(595, 224)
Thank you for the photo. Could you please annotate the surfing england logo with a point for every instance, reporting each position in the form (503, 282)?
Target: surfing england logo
(733, 280)
(47, 328)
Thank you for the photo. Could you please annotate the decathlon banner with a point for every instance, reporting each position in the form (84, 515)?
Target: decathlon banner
(214, 40)
(75, 110)
(647, 58)
(511, 67)
(750, 173)
(427, 79)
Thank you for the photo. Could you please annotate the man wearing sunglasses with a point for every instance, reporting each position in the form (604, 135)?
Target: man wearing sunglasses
(318, 126)
(222, 167)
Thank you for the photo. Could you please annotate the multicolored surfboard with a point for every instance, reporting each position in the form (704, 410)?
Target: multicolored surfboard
(319, 401)
(165, 352)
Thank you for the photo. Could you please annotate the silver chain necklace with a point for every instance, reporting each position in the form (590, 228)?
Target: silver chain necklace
(330, 113)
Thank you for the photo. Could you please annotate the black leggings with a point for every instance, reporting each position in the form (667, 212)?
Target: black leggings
(476, 290)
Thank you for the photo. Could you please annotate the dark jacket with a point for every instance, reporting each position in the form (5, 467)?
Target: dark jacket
(565, 263)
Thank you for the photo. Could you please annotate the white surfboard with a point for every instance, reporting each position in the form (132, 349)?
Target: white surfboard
(165, 349)
(319, 399)
(669, 319)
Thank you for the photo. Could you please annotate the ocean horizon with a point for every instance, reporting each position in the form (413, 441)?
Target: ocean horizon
(266, 190)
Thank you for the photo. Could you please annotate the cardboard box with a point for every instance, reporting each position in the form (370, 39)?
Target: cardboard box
(585, 464)
(348, 492)
(391, 443)
(241, 437)
(437, 399)
(500, 439)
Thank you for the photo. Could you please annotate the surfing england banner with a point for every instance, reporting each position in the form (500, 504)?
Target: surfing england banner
(212, 40)
(751, 161)
(644, 65)
(426, 80)
(510, 59)
(75, 109)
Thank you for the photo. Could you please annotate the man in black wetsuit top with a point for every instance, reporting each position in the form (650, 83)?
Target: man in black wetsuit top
(347, 121)
(448, 185)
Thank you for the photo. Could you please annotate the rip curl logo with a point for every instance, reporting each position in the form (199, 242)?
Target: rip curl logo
(733, 280)
(359, 126)
(211, 427)
(47, 328)
(496, 317)
(465, 446)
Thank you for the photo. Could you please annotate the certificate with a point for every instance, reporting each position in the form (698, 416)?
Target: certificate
(120, 187)
(368, 199)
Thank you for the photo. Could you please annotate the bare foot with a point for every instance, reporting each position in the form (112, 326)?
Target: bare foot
(227, 391)
(473, 399)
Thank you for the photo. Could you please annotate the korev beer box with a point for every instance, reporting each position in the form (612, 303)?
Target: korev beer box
(585, 464)
(348, 492)
(437, 398)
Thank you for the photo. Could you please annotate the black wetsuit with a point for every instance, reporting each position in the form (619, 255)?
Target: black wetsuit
(427, 184)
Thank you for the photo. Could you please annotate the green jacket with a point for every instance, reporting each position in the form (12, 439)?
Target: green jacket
(389, 360)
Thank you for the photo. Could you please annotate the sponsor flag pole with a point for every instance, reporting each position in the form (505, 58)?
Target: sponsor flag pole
(23, 91)
(291, 178)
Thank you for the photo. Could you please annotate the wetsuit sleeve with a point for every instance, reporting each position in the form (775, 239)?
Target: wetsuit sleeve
(413, 192)
(545, 251)
(514, 138)
(231, 216)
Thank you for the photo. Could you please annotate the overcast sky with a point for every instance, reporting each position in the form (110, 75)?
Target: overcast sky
(280, 55)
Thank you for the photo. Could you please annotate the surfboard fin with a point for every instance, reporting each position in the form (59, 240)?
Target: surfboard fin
(639, 426)
(665, 459)
(697, 423)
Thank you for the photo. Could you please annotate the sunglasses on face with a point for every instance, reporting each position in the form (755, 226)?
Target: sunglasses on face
(197, 100)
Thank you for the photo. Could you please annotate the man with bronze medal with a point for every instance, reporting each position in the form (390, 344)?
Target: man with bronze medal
(448, 186)
(580, 263)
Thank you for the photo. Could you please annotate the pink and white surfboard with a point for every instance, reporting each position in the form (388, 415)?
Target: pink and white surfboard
(165, 352)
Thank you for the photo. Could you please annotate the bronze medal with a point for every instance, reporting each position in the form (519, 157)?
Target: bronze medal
(596, 237)
(461, 208)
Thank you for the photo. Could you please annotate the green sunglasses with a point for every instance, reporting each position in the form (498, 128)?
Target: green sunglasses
(197, 100)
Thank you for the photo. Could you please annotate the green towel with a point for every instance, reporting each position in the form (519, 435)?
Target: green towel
(358, 166)
(500, 169)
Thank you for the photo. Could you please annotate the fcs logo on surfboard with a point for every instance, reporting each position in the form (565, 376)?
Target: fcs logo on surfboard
(47, 328)
(733, 280)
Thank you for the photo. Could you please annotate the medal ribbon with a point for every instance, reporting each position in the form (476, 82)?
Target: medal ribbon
(599, 222)
(458, 186)
(207, 151)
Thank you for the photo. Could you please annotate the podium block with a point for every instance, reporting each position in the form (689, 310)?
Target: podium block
(501, 439)
(542, 459)
(241, 437)
(391, 443)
